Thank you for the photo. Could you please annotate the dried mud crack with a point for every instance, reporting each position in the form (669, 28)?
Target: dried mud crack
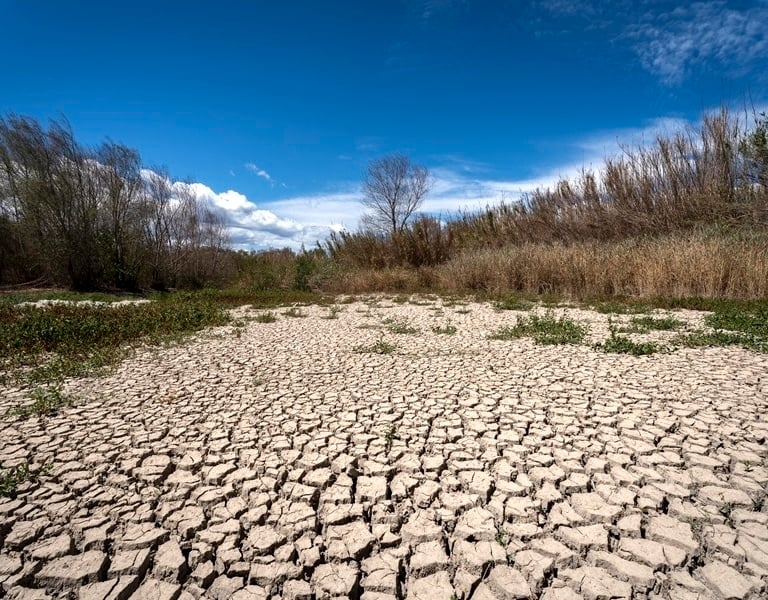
(273, 460)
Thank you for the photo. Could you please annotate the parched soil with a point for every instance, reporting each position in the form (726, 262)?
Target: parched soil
(269, 460)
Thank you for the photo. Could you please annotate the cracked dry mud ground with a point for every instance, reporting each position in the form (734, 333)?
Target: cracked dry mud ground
(281, 463)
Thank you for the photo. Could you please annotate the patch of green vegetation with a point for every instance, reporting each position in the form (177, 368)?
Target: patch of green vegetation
(646, 323)
(45, 401)
(295, 313)
(618, 307)
(620, 344)
(513, 303)
(701, 338)
(545, 329)
(69, 296)
(447, 329)
(463, 311)
(46, 344)
(379, 347)
(750, 322)
(267, 317)
(399, 326)
(11, 479)
(271, 298)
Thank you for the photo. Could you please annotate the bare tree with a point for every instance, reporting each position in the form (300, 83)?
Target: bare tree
(393, 189)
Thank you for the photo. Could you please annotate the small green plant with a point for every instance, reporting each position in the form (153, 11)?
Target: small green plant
(502, 537)
(267, 317)
(447, 329)
(727, 511)
(463, 311)
(389, 437)
(295, 313)
(378, 347)
(545, 330)
(399, 327)
(10, 479)
(513, 303)
(45, 401)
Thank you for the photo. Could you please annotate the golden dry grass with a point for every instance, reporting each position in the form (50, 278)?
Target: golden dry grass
(706, 265)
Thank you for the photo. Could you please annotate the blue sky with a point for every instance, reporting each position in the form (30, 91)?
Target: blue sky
(275, 108)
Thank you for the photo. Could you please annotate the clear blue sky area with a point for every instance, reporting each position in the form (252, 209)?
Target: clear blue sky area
(284, 103)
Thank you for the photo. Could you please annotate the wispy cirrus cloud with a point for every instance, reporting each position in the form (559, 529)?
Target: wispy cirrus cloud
(259, 172)
(672, 44)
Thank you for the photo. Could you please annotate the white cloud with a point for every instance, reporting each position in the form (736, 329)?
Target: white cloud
(258, 171)
(671, 44)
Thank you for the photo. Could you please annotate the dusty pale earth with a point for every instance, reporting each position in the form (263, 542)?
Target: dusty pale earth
(277, 460)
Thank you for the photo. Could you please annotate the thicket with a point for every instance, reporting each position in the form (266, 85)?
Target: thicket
(95, 218)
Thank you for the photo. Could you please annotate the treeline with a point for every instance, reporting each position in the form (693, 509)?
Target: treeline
(689, 180)
(95, 218)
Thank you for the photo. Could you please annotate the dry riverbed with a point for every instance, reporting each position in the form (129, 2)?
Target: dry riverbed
(285, 459)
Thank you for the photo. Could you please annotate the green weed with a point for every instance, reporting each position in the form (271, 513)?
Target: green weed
(379, 347)
(10, 479)
(620, 344)
(267, 317)
(72, 340)
(646, 323)
(295, 313)
(399, 326)
(513, 303)
(546, 329)
(45, 401)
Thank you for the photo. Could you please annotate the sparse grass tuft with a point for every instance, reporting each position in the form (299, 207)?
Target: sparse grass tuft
(400, 327)
(546, 329)
(295, 313)
(379, 347)
(389, 437)
(447, 329)
(333, 312)
(267, 317)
